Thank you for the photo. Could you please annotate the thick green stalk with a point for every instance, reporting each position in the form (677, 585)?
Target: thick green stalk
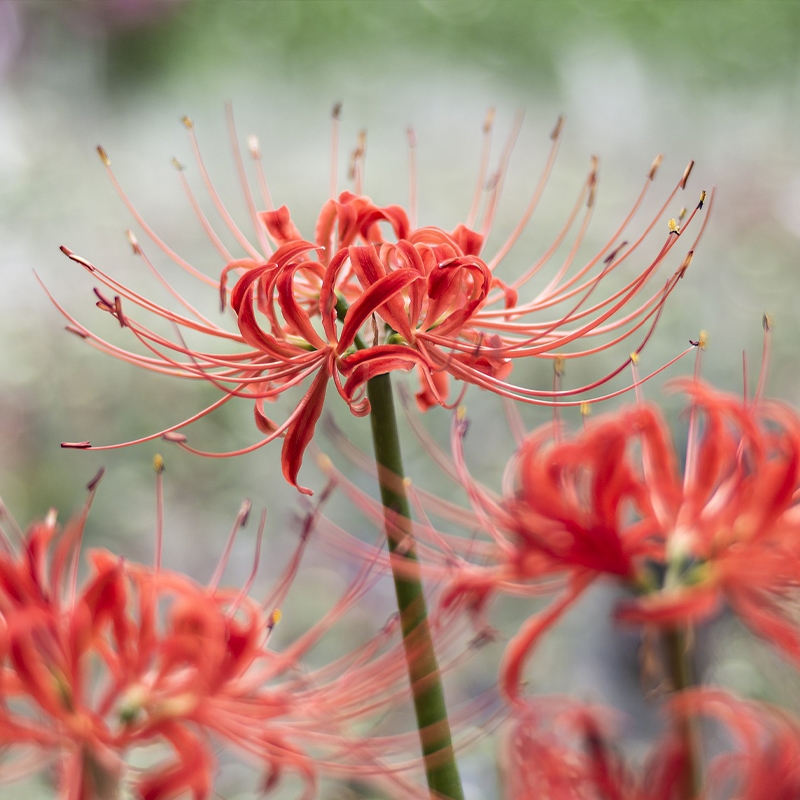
(423, 668)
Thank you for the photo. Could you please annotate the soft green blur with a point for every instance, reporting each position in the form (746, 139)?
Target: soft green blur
(713, 81)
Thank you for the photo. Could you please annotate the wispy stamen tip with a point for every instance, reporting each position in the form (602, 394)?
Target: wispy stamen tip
(158, 464)
(766, 322)
(412, 137)
(702, 199)
(488, 121)
(557, 128)
(92, 485)
(134, 242)
(654, 166)
(187, 123)
(103, 155)
(586, 409)
(685, 264)
(559, 366)
(686, 174)
(177, 164)
(66, 251)
(76, 331)
(336, 111)
(254, 146)
(76, 445)
(244, 513)
(634, 358)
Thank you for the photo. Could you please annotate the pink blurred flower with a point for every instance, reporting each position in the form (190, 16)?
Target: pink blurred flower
(611, 500)
(138, 655)
(562, 750)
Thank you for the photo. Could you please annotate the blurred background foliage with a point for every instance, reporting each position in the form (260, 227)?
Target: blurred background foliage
(717, 81)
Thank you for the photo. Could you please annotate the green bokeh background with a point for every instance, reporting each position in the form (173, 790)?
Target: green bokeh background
(715, 81)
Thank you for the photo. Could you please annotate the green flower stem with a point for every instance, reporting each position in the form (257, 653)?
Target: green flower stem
(682, 677)
(423, 668)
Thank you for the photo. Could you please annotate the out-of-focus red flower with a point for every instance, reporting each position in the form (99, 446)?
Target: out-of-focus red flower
(373, 292)
(612, 500)
(139, 655)
(559, 749)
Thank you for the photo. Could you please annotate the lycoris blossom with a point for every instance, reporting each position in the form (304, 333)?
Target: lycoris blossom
(611, 500)
(372, 292)
(138, 655)
(562, 750)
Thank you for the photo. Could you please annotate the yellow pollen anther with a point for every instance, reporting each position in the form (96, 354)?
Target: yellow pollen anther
(275, 617)
(702, 340)
(702, 198)
(558, 366)
(461, 413)
(406, 483)
(103, 155)
(766, 321)
(177, 164)
(187, 122)
(158, 463)
(324, 463)
(674, 227)
(634, 358)
(682, 214)
(586, 409)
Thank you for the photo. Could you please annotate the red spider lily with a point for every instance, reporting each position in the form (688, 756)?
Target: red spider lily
(611, 500)
(140, 655)
(561, 750)
(348, 303)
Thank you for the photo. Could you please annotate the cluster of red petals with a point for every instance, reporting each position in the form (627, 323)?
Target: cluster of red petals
(424, 288)
(612, 500)
(371, 293)
(561, 750)
(137, 656)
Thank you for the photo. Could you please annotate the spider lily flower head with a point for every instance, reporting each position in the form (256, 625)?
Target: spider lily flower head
(561, 749)
(612, 500)
(138, 655)
(370, 291)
